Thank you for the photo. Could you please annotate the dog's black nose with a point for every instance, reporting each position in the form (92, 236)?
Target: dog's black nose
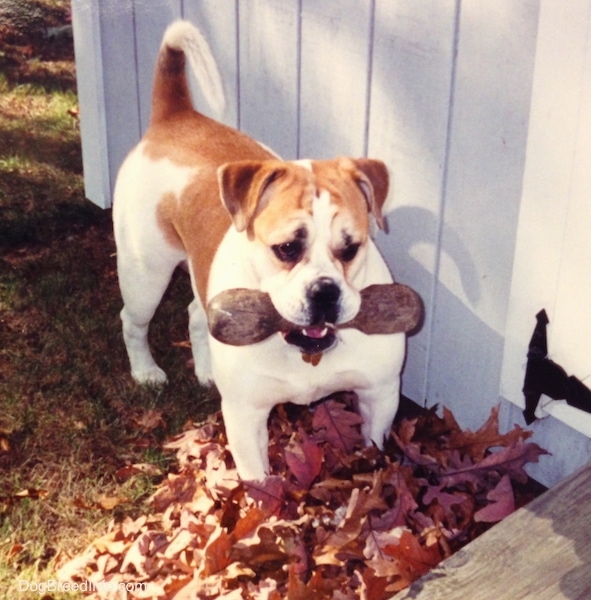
(324, 295)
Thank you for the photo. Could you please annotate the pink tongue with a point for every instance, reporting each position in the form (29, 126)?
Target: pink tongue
(315, 332)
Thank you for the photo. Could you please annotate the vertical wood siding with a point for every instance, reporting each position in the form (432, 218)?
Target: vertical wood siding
(440, 90)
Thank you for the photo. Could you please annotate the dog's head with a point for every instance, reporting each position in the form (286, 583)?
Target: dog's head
(309, 225)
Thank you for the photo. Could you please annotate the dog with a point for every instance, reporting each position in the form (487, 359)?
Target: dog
(194, 190)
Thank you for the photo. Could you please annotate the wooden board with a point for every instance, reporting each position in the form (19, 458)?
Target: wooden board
(334, 78)
(411, 88)
(540, 552)
(218, 21)
(482, 188)
(552, 248)
(269, 78)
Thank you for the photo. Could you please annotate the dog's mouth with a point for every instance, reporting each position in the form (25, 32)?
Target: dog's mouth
(312, 339)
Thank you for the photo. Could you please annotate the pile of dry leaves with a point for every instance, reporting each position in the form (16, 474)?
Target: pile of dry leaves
(335, 520)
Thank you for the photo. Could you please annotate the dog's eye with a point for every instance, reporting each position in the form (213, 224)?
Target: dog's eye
(289, 252)
(349, 253)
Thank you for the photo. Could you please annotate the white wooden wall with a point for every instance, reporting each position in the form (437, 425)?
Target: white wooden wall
(441, 90)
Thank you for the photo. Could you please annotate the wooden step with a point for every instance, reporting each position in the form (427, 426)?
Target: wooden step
(540, 552)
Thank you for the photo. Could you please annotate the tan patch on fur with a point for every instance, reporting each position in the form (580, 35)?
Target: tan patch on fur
(347, 178)
(289, 206)
(165, 212)
(170, 92)
(344, 192)
(191, 139)
(197, 221)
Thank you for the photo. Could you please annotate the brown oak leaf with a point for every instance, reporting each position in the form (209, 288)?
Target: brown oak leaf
(339, 427)
(217, 553)
(413, 558)
(510, 460)
(476, 444)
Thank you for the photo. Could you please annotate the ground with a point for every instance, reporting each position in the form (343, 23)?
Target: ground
(71, 420)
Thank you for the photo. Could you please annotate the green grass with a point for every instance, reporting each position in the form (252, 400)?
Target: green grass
(70, 415)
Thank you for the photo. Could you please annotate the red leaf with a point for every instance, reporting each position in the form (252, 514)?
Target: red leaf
(374, 587)
(413, 558)
(269, 493)
(334, 424)
(412, 450)
(304, 459)
(503, 503)
(444, 499)
(248, 523)
(297, 590)
(367, 527)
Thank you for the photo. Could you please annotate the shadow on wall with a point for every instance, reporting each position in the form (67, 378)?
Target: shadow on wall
(456, 358)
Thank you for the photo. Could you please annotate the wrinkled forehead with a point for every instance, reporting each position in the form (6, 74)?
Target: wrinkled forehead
(315, 194)
(345, 195)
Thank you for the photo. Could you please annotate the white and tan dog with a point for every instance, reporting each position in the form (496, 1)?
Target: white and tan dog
(297, 230)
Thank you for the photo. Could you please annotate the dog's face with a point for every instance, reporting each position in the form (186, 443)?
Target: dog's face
(309, 225)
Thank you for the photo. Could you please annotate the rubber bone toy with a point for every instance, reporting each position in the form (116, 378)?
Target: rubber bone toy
(240, 317)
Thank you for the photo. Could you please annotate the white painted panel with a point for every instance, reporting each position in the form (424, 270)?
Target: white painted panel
(569, 449)
(217, 20)
(336, 39)
(491, 103)
(269, 73)
(151, 20)
(106, 65)
(90, 83)
(121, 89)
(553, 253)
(570, 338)
(413, 55)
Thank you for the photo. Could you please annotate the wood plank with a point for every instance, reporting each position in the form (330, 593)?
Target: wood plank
(413, 54)
(90, 84)
(151, 20)
(552, 252)
(106, 67)
(269, 77)
(217, 20)
(490, 111)
(334, 77)
(540, 552)
(557, 186)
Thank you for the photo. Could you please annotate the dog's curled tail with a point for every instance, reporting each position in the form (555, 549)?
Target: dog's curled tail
(171, 92)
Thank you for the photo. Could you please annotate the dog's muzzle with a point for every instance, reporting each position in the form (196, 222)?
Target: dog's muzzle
(323, 297)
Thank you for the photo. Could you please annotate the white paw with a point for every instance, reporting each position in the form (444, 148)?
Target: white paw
(204, 377)
(203, 369)
(152, 376)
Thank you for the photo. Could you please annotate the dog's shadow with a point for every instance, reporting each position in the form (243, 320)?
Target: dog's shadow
(409, 226)
(457, 354)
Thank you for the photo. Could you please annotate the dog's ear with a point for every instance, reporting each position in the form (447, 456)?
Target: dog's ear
(242, 187)
(373, 179)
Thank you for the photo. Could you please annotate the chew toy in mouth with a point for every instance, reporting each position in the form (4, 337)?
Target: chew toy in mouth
(313, 339)
(240, 317)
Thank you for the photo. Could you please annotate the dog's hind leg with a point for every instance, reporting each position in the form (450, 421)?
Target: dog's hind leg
(142, 288)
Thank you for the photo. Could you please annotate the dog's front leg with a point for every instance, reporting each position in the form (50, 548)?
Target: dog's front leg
(248, 437)
(378, 406)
